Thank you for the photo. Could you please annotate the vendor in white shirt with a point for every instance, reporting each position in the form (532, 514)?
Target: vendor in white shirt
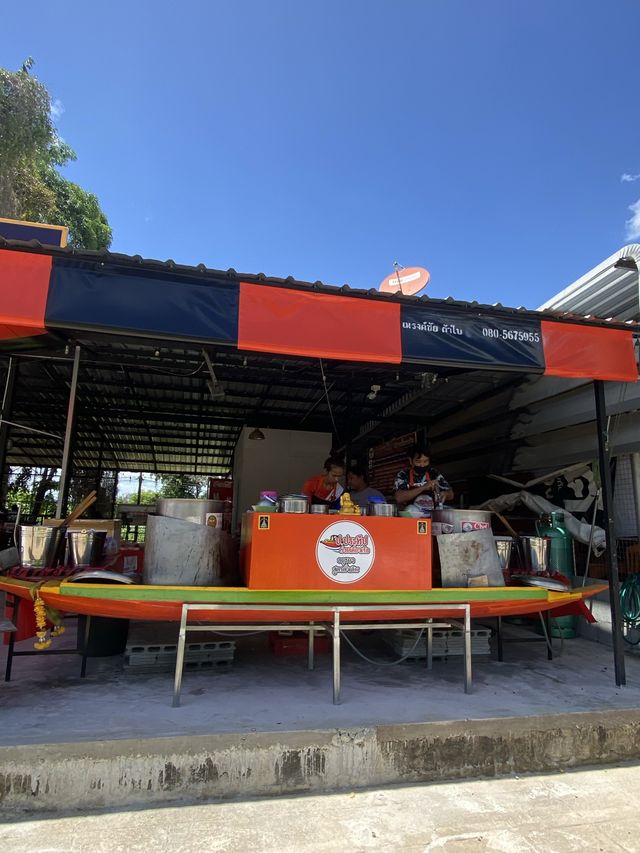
(359, 488)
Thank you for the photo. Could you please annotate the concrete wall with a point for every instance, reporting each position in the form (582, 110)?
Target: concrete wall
(131, 773)
(282, 462)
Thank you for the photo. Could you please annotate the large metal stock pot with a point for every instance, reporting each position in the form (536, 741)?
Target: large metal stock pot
(293, 503)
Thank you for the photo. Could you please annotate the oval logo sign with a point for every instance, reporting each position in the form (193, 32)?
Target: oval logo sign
(407, 281)
(345, 552)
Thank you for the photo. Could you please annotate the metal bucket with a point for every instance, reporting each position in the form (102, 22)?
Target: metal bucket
(86, 547)
(319, 509)
(38, 546)
(504, 546)
(535, 551)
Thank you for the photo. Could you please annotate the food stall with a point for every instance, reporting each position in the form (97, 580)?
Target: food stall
(273, 367)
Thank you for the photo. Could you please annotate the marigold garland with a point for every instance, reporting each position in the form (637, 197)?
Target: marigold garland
(43, 641)
(43, 615)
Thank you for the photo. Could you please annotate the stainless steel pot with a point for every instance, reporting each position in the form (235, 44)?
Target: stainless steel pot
(462, 520)
(195, 510)
(386, 510)
(504, 546)
(319, 509)
(293, 503)
(535, 552)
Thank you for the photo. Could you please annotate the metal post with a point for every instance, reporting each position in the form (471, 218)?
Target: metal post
(182, 636)
(115, 493)
(336, 657)
(310, 651)
(610, 553)
(7, 406)
(430, 644)
(635, 476)
(467, 648)
(63, 494)
(546, 630)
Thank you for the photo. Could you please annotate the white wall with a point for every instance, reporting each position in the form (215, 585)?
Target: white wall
(282, 462)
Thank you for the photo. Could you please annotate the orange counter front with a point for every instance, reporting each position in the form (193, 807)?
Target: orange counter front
(306, 551)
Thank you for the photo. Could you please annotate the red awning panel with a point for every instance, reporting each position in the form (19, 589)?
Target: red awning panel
(321, 325)
(591, 352)
(24, 283)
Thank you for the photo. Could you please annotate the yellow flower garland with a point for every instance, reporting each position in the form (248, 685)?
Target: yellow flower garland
(44, 636)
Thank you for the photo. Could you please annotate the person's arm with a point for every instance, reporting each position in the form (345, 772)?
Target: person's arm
(446, 492)
(404, 496)
(308, 488)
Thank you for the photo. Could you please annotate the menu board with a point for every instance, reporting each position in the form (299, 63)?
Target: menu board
(386, 460)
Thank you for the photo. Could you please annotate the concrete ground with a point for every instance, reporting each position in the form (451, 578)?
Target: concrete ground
(586, 810)
(47, 701)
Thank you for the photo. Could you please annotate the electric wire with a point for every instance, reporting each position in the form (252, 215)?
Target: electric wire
(381, 662)
(326, 393)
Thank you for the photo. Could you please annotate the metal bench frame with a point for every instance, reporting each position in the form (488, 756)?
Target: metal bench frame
(334, 629)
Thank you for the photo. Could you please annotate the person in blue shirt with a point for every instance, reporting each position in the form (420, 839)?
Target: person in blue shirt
(421, 485)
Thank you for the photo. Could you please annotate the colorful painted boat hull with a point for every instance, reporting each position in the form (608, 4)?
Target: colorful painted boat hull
(154, 603)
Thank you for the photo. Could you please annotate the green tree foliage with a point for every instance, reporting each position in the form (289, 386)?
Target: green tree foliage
(147, 497)
(32, 489)
(31, 152)
(182, 486)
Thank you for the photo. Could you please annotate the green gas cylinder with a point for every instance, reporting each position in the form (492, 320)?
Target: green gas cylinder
(560, 560)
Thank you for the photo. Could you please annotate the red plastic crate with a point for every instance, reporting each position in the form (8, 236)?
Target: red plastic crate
(297, 643)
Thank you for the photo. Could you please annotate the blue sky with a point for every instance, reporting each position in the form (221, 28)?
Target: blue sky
(326, 140)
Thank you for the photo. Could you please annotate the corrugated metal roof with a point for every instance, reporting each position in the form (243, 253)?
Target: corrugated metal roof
(611, 289)
(201, 271)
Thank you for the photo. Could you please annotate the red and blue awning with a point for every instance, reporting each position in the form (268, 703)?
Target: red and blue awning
(40, 293)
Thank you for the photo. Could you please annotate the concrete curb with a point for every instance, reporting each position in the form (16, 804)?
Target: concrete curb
(156, 770)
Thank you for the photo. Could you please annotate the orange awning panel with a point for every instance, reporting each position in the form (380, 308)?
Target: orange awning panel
(591, 352)
(321, 325)
(24, 288)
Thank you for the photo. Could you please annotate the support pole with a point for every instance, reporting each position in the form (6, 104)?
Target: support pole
(7, 406)
(65, 473)
(635, 476)
(610, 554)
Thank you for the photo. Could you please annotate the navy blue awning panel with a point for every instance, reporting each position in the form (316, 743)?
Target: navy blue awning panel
(443, 337)
(82, 296)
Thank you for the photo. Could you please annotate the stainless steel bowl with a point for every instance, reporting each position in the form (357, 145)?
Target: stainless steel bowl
(386, 510)
(319, 509)
(293, 503)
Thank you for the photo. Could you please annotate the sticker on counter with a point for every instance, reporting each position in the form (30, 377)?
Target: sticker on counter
(422, 528)
(263, 522)
(467, 526)
(213, 519)
(440, 527)
(345, 552)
